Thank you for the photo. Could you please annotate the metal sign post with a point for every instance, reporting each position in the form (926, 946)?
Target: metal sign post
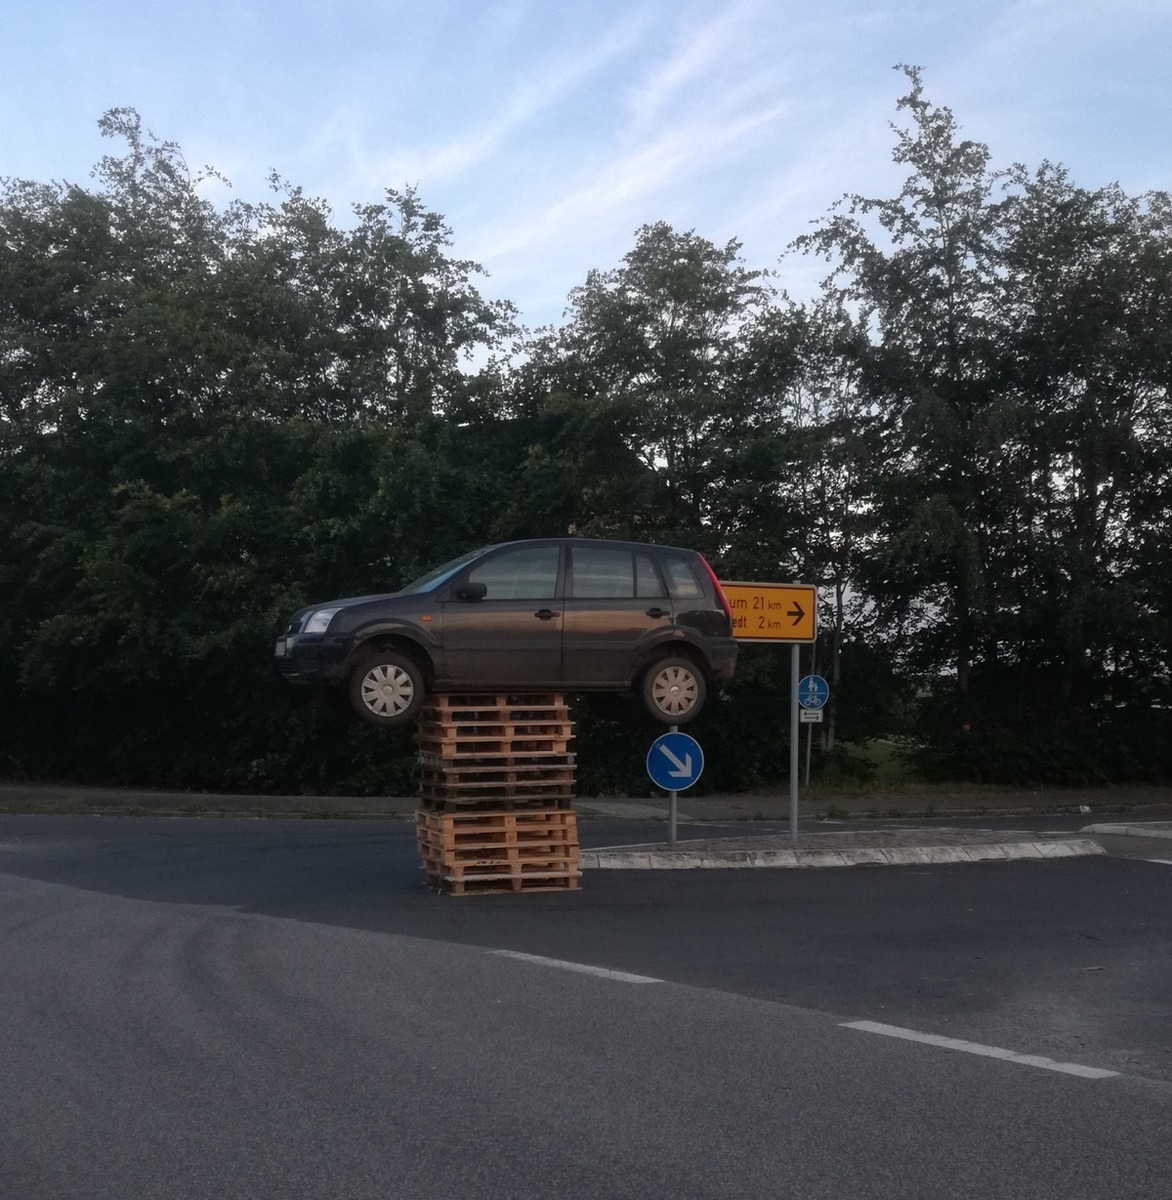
(809, 695)
(778, 612)
(794, 674)
(673, 808)
(674, 763)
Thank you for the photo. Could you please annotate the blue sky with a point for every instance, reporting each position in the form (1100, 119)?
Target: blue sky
(548, 131)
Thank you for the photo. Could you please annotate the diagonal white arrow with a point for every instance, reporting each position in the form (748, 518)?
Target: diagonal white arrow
(683, 769)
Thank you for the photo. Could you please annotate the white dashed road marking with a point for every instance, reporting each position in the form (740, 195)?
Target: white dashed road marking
(1164, 862)
(931, 1039)
(581, 968)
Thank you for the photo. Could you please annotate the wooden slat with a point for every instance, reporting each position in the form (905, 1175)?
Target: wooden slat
(509, 789)
(485, 700)
(495, 758)
(462, 864)
(520, 779)
(519, 764)
(481, 804)
(496, 823)
(496, 741)
(547, 835)
(558, 841)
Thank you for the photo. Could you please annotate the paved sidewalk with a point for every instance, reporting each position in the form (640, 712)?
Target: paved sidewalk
(1142, 829)
(847, 848)
(977, 802)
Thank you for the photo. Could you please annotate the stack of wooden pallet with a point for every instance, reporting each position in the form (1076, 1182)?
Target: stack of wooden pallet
(497, 781)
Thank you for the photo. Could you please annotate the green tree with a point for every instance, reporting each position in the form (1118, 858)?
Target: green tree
(207, 418)
(1017, 361)
(924, 268)
(650, 360)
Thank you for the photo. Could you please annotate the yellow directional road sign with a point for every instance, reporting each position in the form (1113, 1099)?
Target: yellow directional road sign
(773, 612)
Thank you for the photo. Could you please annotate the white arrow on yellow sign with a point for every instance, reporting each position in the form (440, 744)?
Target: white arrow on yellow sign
(773, 612)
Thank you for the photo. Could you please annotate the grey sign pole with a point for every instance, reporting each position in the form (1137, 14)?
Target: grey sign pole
(672, 806)
(794, 676)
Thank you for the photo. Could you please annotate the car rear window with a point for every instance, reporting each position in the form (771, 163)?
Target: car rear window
(682, 582)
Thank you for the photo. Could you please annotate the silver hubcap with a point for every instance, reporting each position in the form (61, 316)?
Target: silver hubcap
(674, 691)
(387, 690)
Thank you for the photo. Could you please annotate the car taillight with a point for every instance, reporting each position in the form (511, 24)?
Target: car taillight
(719, 590)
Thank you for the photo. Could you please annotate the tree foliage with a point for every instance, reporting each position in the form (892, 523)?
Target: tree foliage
(212, 415)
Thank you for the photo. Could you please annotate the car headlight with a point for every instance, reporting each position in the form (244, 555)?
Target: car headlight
(320, 620)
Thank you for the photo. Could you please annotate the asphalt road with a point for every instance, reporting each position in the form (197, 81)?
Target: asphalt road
(256, 1009)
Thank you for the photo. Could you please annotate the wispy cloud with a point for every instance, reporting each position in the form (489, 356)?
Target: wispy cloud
(703, 104)
(699, 51)
(667, 161)
(531, 96)
(547, 133)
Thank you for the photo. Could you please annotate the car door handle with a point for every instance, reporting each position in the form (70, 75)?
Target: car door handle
(546, 614)
(659, 612)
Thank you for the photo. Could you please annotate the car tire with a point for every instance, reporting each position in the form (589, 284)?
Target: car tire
(386, 689)
(673, 690)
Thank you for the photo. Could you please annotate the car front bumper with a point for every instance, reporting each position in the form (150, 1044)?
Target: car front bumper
(310, 658)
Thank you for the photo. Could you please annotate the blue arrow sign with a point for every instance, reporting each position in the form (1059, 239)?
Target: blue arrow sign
(813, 691)
(674, 761)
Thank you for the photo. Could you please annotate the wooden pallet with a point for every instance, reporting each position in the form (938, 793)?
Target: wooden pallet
(491, 775)
(444, 803)
(504, 862)
(461, 707)
(509, 851)
(500, 828)
(453, 726)
(513, 747)
(504, 857)
(439, 740)
(480, 885)
(522, 763)
(477, 798)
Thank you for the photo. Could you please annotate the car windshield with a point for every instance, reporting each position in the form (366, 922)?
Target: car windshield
(441, 574)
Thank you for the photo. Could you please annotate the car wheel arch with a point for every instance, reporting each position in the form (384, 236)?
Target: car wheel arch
(381, 642)
(670, 648)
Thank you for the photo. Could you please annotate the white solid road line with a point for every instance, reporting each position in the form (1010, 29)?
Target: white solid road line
(581, 968)
(1030, 1060)
(1164, 862)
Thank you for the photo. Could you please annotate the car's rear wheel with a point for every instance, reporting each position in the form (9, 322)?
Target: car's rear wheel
(387, 689)
(674, 690)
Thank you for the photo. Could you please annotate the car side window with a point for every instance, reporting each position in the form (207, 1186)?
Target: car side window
(602, 574)
(681, 579)
(648, 585)
(530, 573)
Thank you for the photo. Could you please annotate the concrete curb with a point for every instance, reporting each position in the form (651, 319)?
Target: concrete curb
(1152, 830)
(655, 859)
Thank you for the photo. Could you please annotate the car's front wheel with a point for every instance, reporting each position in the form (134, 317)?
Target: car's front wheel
(674, 690)
(387, 689)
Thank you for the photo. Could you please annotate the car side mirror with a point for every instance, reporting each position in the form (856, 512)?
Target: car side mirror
(472, 591)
